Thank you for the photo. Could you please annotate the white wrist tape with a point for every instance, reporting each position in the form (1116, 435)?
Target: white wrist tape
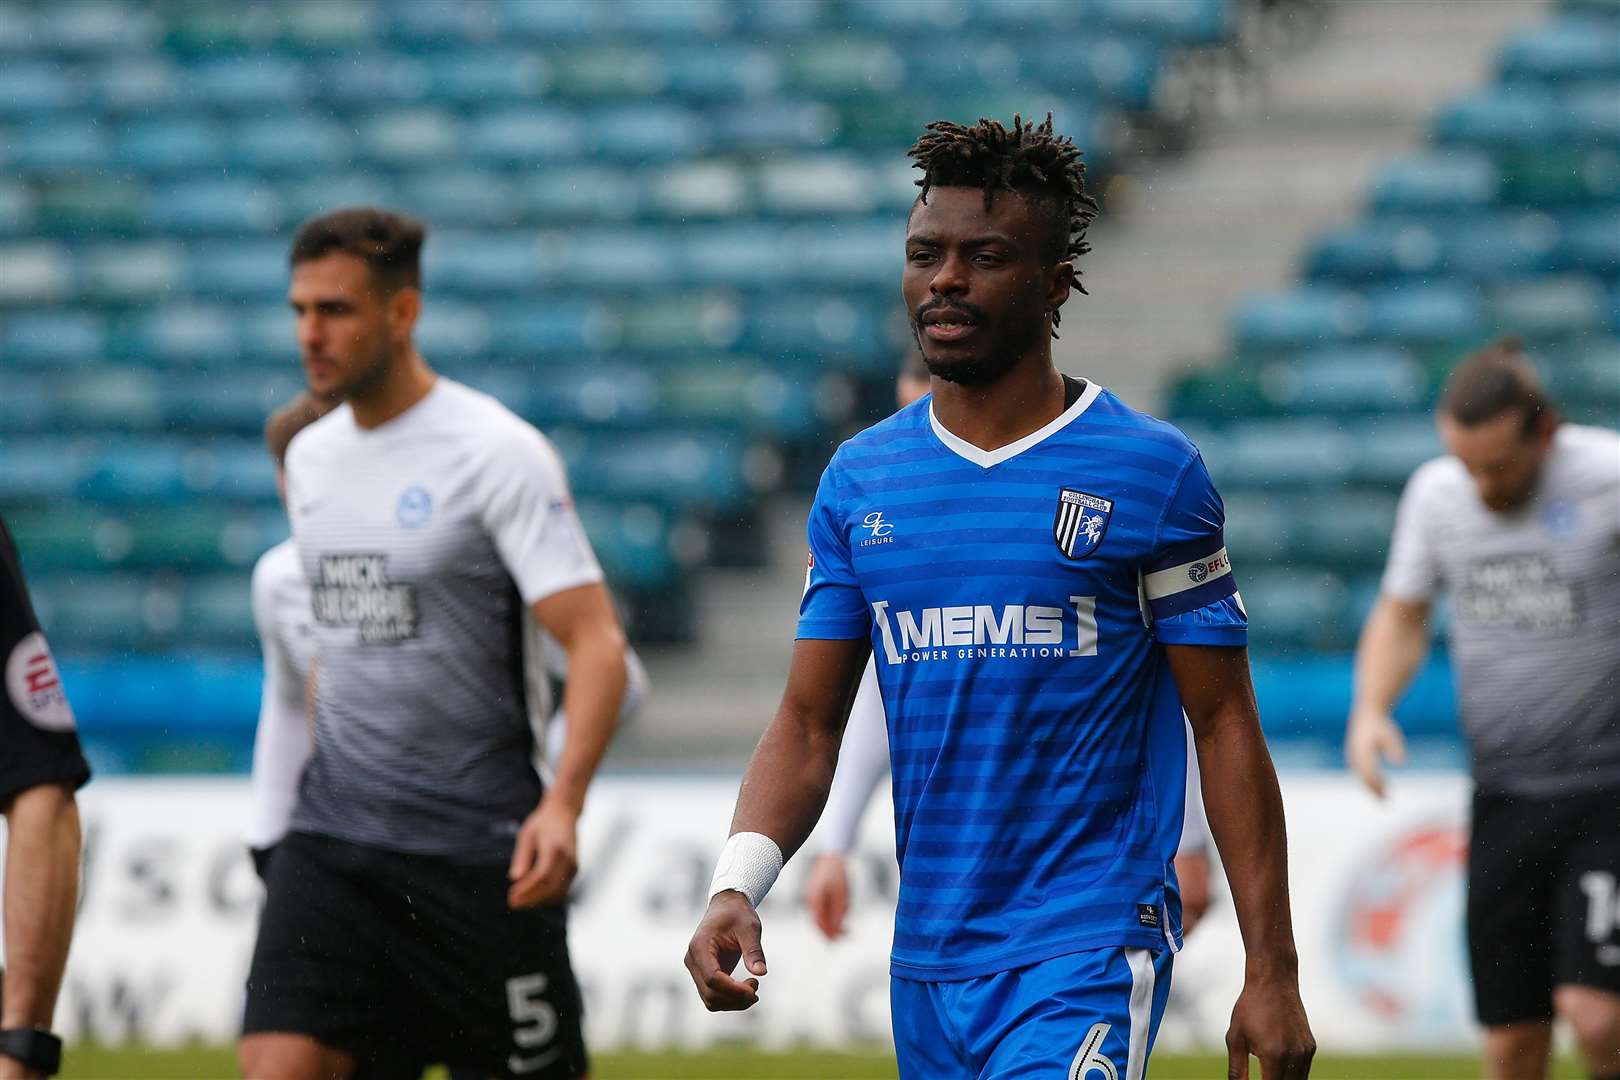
(748, 863)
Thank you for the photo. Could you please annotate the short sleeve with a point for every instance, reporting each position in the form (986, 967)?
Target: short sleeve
(38, 740)
(1412, 572)
(530, 517)
(833, 608)
(1187, 581)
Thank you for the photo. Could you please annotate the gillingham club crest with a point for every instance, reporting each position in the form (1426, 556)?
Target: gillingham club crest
(1080, 523)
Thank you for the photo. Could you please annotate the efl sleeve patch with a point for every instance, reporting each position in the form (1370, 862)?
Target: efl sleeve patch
(1190, 585)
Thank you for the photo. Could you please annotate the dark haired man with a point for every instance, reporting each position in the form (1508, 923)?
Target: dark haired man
(1521, 523)
(415, 909)
(991, 547)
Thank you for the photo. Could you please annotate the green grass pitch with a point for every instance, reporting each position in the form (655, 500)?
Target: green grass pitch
(210, 1063)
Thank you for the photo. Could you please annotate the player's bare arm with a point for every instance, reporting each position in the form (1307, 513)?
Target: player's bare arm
(1392, 647)
(782, 794)
(545, 857)
(1245, 811)
(42, 886)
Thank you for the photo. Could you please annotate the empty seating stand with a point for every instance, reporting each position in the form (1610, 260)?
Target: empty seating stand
(1508, 223)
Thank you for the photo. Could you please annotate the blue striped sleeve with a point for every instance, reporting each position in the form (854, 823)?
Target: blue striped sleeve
(1188, 581)
(833, 607)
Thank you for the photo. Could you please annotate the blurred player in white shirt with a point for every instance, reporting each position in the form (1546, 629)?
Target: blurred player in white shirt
(863, 762)
(282, 617)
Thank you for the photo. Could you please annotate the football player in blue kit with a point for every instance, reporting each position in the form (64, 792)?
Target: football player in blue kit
(1040, 574)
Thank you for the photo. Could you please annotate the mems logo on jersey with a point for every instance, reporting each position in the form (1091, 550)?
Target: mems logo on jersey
(354, 590)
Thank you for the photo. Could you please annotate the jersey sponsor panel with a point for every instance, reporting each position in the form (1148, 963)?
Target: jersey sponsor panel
(1037, 741)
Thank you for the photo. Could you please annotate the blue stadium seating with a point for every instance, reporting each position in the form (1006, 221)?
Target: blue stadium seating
(667, 231)
(1508, 223)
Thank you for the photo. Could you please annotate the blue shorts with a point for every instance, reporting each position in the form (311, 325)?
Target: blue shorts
(1094, 1012)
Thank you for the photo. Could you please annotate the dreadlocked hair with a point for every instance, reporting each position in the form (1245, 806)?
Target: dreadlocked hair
(1030, 159)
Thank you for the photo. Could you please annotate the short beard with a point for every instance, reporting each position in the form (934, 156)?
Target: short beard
(977, 371)
(371, 379)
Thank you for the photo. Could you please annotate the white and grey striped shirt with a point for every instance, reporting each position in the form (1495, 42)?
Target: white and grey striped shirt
(1535, 592)
(425, 542)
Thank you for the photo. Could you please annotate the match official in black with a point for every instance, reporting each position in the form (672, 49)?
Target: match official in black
(41, 766)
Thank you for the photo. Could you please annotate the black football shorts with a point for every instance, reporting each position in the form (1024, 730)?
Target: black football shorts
(406, 960)
(1543, 901)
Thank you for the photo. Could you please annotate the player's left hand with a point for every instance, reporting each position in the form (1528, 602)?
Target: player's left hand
(545, 857)
(1269, 1022)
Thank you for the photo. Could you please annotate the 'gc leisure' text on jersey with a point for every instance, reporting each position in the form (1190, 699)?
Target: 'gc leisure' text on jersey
(1036, 734)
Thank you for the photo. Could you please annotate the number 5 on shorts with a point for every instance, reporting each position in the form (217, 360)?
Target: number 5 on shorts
(534, 1020)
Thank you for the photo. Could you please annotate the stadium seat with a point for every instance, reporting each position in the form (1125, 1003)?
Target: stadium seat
(27, 404)
(783, 123)
(238, 269)
(525, 134)
(463, 197)
(1419, 313)
(643, 132)
(486, 75)
(824, 184)
(759, 253)
(18, 209)
(36, 272)
(423, 134)
(614, 258)
(1387, 449)
(1298, 609)
(1437, 181)
(217, 609)
(1186, 22)
(697, 189)
(866, 251)
(1281, 453)
(1347, 379)
(132, 272)
(482, 262)
(215, 205)
(74, 204)
(297, 142)
(604, 72)
(581, 192)
(53, 337)
(676, 323)
(249, 81)
(108, 398)
(719, 70)
(125, 84)
(1375, 249)
(59, 144)
(554, 324)
(102, 610)
(174, 143)
(1344, 530)
(1565, 48)
(1590, 242)
(1547, 307)
(29, 88)
(180, 334)
(1300, 317)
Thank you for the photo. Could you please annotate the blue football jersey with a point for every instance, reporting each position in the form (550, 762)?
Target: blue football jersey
(1017, 601)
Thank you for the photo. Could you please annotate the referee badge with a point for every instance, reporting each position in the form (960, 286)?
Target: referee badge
(1080, 523)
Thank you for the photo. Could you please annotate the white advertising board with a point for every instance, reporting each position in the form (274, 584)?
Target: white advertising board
(170, 903)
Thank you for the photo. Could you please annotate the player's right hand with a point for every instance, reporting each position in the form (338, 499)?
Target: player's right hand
(729, 932)
(1372, 739)
(827, 894)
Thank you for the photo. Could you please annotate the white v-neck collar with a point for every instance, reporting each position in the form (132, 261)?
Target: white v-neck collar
(986, 458)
